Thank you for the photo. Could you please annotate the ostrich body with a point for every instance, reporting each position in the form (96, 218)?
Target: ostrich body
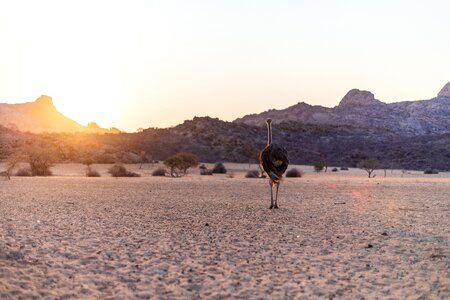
(274, 161)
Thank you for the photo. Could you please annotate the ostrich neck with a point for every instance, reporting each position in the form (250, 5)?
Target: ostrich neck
(269, 134)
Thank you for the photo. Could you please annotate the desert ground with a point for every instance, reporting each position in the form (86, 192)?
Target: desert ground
(336, 235)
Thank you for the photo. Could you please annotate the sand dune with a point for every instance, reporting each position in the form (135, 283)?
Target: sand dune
(336, 235)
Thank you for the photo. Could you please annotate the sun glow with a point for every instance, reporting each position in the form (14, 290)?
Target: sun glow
(132, 64)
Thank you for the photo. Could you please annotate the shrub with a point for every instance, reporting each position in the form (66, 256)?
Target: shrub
(119, 170)
(252, 174)
(431, 171)
(219, 168)
(344, 169)
(294, 173)
(206, 172)
(202, 167)
(334, 170)
(318, 166)
(91, 173)
(180, 163)
(159, 172)
(24, 171)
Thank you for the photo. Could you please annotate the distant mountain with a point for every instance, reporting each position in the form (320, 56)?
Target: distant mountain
(360, 108)
(412, 135)
(42, 116)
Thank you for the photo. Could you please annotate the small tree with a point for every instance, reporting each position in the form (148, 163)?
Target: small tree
(41, 158)
(369, 165)
(180, 163)
(11, 164)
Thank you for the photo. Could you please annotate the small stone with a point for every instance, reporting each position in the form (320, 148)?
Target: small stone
(384, 233)
(206, 224)
(369, 246)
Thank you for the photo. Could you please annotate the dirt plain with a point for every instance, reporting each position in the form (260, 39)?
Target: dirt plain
(336, 235)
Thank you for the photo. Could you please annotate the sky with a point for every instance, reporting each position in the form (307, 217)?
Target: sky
(138, 64)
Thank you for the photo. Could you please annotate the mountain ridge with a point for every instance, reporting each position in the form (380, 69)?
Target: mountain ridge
(361, 108)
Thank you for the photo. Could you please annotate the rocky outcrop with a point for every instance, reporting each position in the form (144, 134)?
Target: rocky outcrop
(356, 97)
(360, 108)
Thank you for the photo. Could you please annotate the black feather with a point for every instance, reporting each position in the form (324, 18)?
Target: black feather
(273, 158)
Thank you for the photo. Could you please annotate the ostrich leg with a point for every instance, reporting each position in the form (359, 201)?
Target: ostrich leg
(271, 194)
(276, 195)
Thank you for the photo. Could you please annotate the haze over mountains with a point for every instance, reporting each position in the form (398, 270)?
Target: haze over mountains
(42, 116)
(360, 108)
(357, 108)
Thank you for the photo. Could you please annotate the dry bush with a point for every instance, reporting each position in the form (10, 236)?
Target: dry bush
(119, 170)
(318, 166)
(159, 172)
(252, 174)
(91, 173)
(219, 168)
(344, 169)
(334, 170)
(294, 173)
(24, 171)
(430, 171)
(206, 172)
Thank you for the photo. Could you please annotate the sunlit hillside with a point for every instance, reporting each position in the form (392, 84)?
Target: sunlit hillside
(42, 116)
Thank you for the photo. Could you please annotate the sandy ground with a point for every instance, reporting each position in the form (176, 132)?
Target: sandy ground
(336, 235)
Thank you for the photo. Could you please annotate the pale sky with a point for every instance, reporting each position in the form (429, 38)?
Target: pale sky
(132, 64)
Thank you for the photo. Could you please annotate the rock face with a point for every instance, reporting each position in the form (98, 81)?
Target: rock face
(40, 116)
(360, 108)
(359, 98)
(445, 92)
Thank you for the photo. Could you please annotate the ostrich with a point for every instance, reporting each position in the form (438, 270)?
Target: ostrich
(273, 159)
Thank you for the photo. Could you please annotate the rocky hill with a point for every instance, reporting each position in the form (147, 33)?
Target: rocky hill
(42, 116)
(359, 127)
(361, 109)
